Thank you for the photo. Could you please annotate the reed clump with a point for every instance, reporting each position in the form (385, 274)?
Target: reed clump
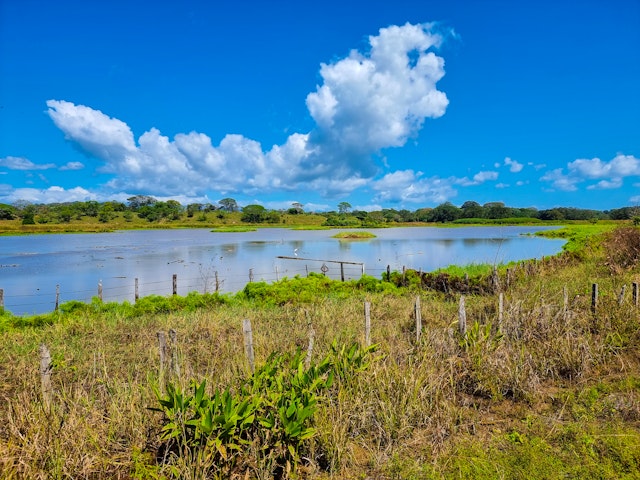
(544, 387)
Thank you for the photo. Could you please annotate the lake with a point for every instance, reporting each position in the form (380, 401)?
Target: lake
(32, 266)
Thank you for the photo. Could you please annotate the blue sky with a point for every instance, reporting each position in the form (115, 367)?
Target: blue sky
(401, 104)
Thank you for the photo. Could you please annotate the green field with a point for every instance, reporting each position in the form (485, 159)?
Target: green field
(548, 387)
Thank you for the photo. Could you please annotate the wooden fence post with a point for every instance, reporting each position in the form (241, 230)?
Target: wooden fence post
(342, 271)
(594, 297)
(277, 279)
(388, 273)
(635, 294)
(57, 297)
(175, 283)
(462, 317)
(418, 315)
(250, 275)
(1, 300)
(367, 324)
(623, 290)
(217, 281)
(312, 337)
(495, 280)
(136, 295)
(500, 309)
(162, 349)
(100, 290)
(175, 365)
(248, 343)
(45, 376)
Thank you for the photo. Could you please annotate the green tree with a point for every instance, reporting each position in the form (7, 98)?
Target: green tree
(228, 205)
(7, 212)
(446, 212)
(471, 209)
(253, 214)
(344, 207)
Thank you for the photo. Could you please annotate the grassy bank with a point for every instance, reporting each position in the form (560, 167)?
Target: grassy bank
(547, 388)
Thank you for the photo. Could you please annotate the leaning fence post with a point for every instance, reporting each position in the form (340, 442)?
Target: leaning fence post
(634, 293)
(2, 300)
(462, 317)
(45, 376)
(594, 297)
(418, 314)
(57, 297)
(248, 343)
(367, 324)
(175, 366)
(136, 295)
(175, 283)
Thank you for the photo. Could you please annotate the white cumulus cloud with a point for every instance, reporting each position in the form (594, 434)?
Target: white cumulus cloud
(21, 163)
(366, 102)
(610, 175)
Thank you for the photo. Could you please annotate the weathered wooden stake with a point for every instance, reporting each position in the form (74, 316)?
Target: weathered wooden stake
(500, 309)
(565, 299)
(342, 271)
(388, 273)
(635, 294)
(45, 376)
(217, 280)
(1, 299)
(277, 279)
(594, 297)
(462, 317)
(175, 365)
(623, 290)
(57, 297)
(100, 290)
(418, 315)
(250, 275)
(248, 343)
(136, 294)
(162, 350)
(312, 337)
(367, 324)
(175, 283)
(495, 280)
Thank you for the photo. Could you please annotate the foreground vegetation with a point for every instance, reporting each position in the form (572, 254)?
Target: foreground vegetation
(546, 389)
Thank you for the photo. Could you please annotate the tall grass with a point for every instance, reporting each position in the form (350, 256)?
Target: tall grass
(546, 390)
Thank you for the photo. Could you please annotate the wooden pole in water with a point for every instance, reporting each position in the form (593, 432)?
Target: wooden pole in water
(136, 295)
(175, 283)
(100, 290)
(57, 297)
(1, 299)
(342, 271)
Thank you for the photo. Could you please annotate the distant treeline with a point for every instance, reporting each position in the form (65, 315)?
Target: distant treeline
(153, 210)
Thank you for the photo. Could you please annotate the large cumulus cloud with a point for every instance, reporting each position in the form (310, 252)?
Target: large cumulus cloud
(366, 102)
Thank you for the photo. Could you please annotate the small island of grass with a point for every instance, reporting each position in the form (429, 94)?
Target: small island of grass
(354, 235)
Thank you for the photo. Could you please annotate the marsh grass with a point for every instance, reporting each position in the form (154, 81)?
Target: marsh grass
(545, 391)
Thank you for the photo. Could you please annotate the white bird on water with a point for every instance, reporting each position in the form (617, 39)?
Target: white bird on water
(295, 252)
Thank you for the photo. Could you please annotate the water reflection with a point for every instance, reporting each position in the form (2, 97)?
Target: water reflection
(32, 266)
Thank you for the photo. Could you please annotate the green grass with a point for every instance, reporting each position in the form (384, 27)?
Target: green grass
(354, 235)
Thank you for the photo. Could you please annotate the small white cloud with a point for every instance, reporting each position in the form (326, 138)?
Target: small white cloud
(408, 187)
(72, 166)
(514, 166)
(52, 194)
(21, 163)
(502, 185)
(606, 184)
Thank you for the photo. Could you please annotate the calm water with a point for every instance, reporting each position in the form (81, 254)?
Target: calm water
(32, 266)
